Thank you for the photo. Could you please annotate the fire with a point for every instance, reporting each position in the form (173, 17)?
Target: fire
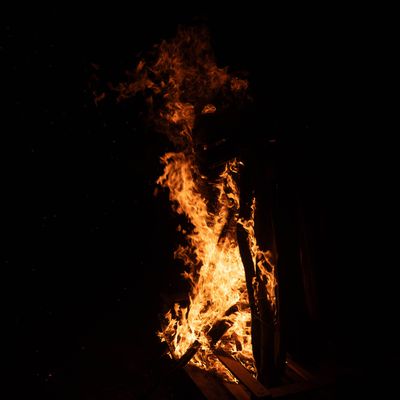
(217, 278)
(182, 83)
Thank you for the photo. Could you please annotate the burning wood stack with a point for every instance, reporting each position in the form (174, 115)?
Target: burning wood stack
(229, 327)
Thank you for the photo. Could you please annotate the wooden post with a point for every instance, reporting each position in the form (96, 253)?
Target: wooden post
(265, 322)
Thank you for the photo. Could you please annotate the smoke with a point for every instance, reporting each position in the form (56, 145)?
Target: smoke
(180, 81)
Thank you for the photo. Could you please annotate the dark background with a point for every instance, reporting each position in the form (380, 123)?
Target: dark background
(88, 248)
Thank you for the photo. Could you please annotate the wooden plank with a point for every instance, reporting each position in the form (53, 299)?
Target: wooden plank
(293, 388)
(237, 390)
(190, 352)
(248, 388)
(214, 388)
(264, 329)
(300, 387)
(299, 370)
(208, 384)
(244, 376)
(289, 376)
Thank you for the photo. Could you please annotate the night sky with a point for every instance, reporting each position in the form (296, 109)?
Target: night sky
(88, 247)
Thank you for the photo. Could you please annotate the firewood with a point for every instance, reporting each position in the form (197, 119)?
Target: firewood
(214, 334)
(244, 376)
(218, 330)
(189, 354)
(263, 327)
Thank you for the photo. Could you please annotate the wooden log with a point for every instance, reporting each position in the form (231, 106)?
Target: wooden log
(262, 317)
(248, 265)
(237, 390)
(189, 354)
(214, 335)
(248, 387)
(218, 330)
(285, 391)
(214, 388)
(244, 376)
(299, 370)
(208, 384)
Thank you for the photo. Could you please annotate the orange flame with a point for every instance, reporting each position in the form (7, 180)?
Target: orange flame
(182, 83)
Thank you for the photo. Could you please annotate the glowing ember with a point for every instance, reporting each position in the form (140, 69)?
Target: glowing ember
(182, 84)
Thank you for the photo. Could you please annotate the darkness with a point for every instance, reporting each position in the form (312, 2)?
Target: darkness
(88, 247)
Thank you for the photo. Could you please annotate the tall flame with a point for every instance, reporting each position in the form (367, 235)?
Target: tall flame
(182, 83)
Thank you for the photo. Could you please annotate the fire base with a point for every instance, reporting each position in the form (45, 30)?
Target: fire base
(297, 382)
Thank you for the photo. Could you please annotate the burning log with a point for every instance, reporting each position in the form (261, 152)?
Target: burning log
(255, 387)
(247, 260)
(218, 330)
(214, 334)
(211, 386)
(190, 352)
(263, 321)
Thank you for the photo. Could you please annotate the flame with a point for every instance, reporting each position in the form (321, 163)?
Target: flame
(264, 269)
(215, 271)
(182, 83)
